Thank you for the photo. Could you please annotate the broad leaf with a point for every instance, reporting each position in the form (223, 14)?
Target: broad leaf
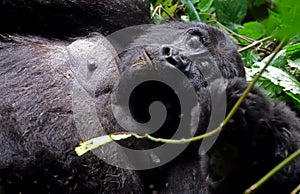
(191, 10)
(254, 30)
(204, 5)
(231, 12)
(276, 76)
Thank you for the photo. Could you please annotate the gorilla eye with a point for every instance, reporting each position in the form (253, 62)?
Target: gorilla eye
(197, 38)
(194, 42)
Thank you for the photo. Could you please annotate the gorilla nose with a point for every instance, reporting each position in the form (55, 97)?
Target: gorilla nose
(172, 56)
(168, 51)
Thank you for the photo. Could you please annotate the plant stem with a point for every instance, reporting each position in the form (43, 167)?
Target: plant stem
(254, 44)
(277, 168)
(227, 118)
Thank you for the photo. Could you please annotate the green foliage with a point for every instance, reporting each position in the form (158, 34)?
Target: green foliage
(273, 22)
(204, 5)
(277, 81)
(256, 40)
(233, 16)
(167, 10)
(250, 57)
(191, 10)
(231, 12)
(293, 51)
(257, 2)
(289, 11)
(254, 30)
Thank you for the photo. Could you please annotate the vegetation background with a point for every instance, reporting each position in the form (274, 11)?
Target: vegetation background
(256, 27)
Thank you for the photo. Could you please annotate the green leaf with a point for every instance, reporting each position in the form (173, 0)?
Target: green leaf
(295, 98)
(269, 88)
(254, 30)
(205, 17)
(167, 3)
(158, 19)
(285, 19)
(250, 57)
(277, 76)
(170, 10)
(258, 2)
(231, 12)
(204, 5)
(273, 22)
(289, 11)
(191, 10)
(159, 2)
(99, 141)
(293, 51)
(280, 61)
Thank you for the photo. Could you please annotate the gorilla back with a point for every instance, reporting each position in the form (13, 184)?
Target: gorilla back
(65, 18)
(38, 131)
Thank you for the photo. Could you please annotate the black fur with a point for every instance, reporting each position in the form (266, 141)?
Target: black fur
(66, 18)
(260, 135)
(37, 123)
(38, 130)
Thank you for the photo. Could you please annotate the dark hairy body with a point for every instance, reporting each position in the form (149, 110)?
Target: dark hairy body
(69, 18)
(261, 134)
(38, 130)
(39, 75)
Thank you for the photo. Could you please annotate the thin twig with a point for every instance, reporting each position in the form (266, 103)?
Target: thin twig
(224, 122)
(89, 145)
(253, 44)
(158, 9)
(227, 29)
(296, 190)
(262, 49)
(277, 168)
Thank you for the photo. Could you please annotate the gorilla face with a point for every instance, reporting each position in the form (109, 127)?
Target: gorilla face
(201, 52)
(187, 46)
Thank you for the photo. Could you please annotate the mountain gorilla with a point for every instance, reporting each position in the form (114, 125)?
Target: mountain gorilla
(46, 82)
(39, 79)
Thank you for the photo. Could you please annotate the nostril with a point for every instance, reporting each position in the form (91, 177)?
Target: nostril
(172, 61)
(166, 51)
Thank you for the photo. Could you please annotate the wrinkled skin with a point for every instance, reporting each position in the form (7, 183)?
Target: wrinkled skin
(38, 120)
